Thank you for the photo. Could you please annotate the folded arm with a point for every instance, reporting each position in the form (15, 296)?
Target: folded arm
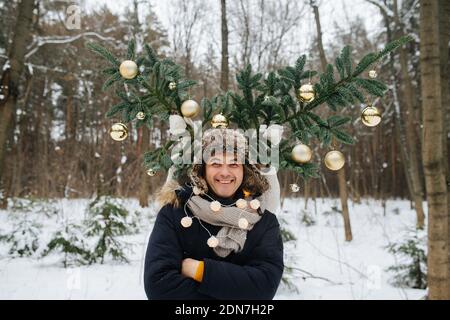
(162, 277)
(257, 279)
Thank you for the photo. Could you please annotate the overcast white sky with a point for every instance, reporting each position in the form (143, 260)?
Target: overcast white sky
(331, 12)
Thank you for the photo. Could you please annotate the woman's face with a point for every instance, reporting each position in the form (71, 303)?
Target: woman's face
(223, 174)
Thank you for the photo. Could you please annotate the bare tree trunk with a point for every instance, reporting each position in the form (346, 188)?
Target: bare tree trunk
(324, 181)
(411, 124)
(321, 190)
(344, 197)
(261, 28)
(341, 173)
(432, 151)
(306, 193)
(393, 164)
(323, 59)
(143, 133)
(70, 119)
(11, 77)
(444, 34)
(144, 187)
(19, 156)
(224, 75)
(246, 51)
(356, 178)
(405, 133)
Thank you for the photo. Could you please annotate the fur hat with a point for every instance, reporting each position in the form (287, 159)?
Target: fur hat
(218, 140)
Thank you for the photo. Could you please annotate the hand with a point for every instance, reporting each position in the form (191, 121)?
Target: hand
(189, 267)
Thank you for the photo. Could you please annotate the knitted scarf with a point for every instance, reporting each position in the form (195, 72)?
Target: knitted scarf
(231, 237)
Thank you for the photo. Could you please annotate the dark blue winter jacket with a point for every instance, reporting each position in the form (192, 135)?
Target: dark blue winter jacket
(253, 273)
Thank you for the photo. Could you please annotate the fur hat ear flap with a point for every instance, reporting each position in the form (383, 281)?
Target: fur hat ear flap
(254, 182)
(167, 195)
(196, 175)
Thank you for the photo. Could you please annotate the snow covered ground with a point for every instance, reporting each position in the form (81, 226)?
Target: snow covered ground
(324, 265)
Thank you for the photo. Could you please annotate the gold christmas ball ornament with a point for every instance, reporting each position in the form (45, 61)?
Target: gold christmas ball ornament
(373, 74)
(243, 223)
(213, 242)
(172, 86)
(301, 153)
(128, 69)
(215, 206)
(151, 172)
(118, 131)
(306, 93)
(370, 116)
(295, 187)
(254, 204)
(186, 222)
(140, 115)
(219, 121)
(334, 160)
(190, 108)
(241, 204)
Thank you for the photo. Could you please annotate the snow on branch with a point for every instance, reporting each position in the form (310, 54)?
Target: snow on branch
(40, 41)
(383, 7)
(32, 66)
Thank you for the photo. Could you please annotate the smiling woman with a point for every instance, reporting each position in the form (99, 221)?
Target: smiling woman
(212, 238)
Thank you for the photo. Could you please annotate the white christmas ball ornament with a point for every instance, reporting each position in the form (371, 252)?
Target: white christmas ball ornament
(215, 206)
(213, 242)
(254, 204)
(243, 223)
(241, 204)
(373, 74)
(140, 115)
(295, 187)
(186, 222)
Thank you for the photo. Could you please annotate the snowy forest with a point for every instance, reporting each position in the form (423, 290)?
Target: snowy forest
(77, 207)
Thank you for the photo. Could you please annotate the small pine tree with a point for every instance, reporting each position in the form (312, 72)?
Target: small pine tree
(411, 269)
(70, 242)
(30, 205)
(288, 278)
(286, 235)
(107, 221)
(334, 210)
(24, 238)
(307, 219)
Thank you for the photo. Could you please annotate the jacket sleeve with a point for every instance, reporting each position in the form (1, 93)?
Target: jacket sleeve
(163, 259)
(257, 280)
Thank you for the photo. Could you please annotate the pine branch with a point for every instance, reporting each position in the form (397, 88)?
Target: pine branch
(104, 53)
(131, 49)
(260, 101)
(373, 86)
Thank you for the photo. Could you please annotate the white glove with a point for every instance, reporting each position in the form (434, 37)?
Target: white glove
(270, 199)
(170, 174)
(177, 125)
